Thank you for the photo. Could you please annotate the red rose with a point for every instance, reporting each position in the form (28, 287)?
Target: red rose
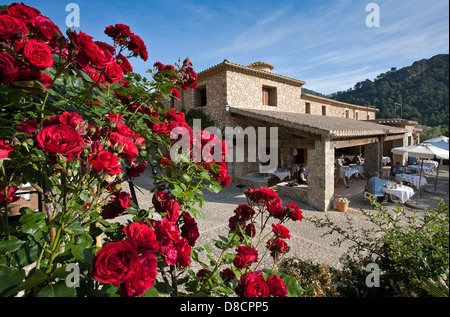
(244, 212)
(119, 203)
(252, 284)
(183, 253)
(29, 127)
(115, 263)
(276, 286)
(46, 28)
(38, 54)
(124, 146)
(11, 27)
(23, 12)
(166, 230)
(136, 170)
(5, 149)
(168, 252)
(281, 231)
(114, 118)
(245, 255)
(294, 212)
(165, 161)
(137, 46)
(73, 119)
(268, 195)
(124, 63)
(141, 237)
(277, 247)
(143, 278)
(276, 209)
(89, 51)
(164, 204)
(6, 67)
(189, 230)
(227, 275)
(60, 139)
(126, 131)
(119, 33)
(106, 162)
(11, 195)
(113, 72)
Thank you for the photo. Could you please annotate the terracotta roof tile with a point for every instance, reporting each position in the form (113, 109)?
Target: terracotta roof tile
(328, 126)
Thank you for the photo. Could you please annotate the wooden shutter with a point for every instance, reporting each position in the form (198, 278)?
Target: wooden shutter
(266, 96)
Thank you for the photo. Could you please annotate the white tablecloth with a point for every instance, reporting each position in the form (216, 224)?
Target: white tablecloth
(417, 168)
(412, 179)
(386, 160)
(403, 193)
(348, 172)
(360, 168)
(282, 175)
(430, 163)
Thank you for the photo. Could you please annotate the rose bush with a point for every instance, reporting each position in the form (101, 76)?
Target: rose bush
(78, 126)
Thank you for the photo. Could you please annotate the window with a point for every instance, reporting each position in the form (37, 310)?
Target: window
(308, 108)
(269, 96)
(356, 115)
(347, 113)
(324, 110)
(203, 100)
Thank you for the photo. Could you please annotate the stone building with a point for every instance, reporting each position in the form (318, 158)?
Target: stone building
(311, 130)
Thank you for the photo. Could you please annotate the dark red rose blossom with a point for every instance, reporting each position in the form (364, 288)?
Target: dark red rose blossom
(118, 204)
(165, 205)
(10, 27)
(252, 284)
(245, 255)
(142, 237)
(277, 247)
(138, 47)
(113, 72)
(114, 118)
(183, 253)
(23, 12)
(124, 146)
(124, 63)
(5, 149)
(11, 195)
(143, 277)
(89, 51)
(166, 230)
(104, 161)
(136, 170)
(46, 28)
(189, 230)
(281, 231)
(244, 212)
(60, 139)
(276, 286)
(115, 263)
(120, 33)
(38, 54)
(227, 275)
(6, 67)
(294, 212)
(29, 127)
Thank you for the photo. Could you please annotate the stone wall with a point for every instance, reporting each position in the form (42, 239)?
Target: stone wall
(321, 176)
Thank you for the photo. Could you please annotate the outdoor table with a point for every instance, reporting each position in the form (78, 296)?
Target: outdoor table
(416, 168)
(430, 163)
(386, 160)
(282, 175)
(348, 172)
(402, 192)
(412, 179)
(360, 168)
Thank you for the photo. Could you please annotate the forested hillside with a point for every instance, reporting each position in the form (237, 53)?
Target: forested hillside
(422, 89)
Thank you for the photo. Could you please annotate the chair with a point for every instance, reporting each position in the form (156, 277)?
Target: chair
(273, 180)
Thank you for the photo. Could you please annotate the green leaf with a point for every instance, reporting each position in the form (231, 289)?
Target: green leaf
(10, 279)
(293, 287)
(37, 279)
(10, 245)
(151, 292)
(59, 289)
(82, 254)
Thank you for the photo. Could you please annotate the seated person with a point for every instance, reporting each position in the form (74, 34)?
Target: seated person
(397, 169)
(375, 186)
(302, 177)
(358, 159)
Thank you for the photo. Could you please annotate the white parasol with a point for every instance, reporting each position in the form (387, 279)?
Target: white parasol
(422, 151)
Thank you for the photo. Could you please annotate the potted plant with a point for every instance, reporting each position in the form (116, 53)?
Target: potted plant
(342, 204)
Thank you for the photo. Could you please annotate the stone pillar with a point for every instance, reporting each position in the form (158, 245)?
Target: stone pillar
(372, 155)
(402, 158)
(321, 176)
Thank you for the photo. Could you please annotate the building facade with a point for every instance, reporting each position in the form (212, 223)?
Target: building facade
(312, 130)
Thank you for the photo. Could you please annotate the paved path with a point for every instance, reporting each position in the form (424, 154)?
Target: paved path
(306, 241)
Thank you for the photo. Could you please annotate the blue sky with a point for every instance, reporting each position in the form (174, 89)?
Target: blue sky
(325, 43)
